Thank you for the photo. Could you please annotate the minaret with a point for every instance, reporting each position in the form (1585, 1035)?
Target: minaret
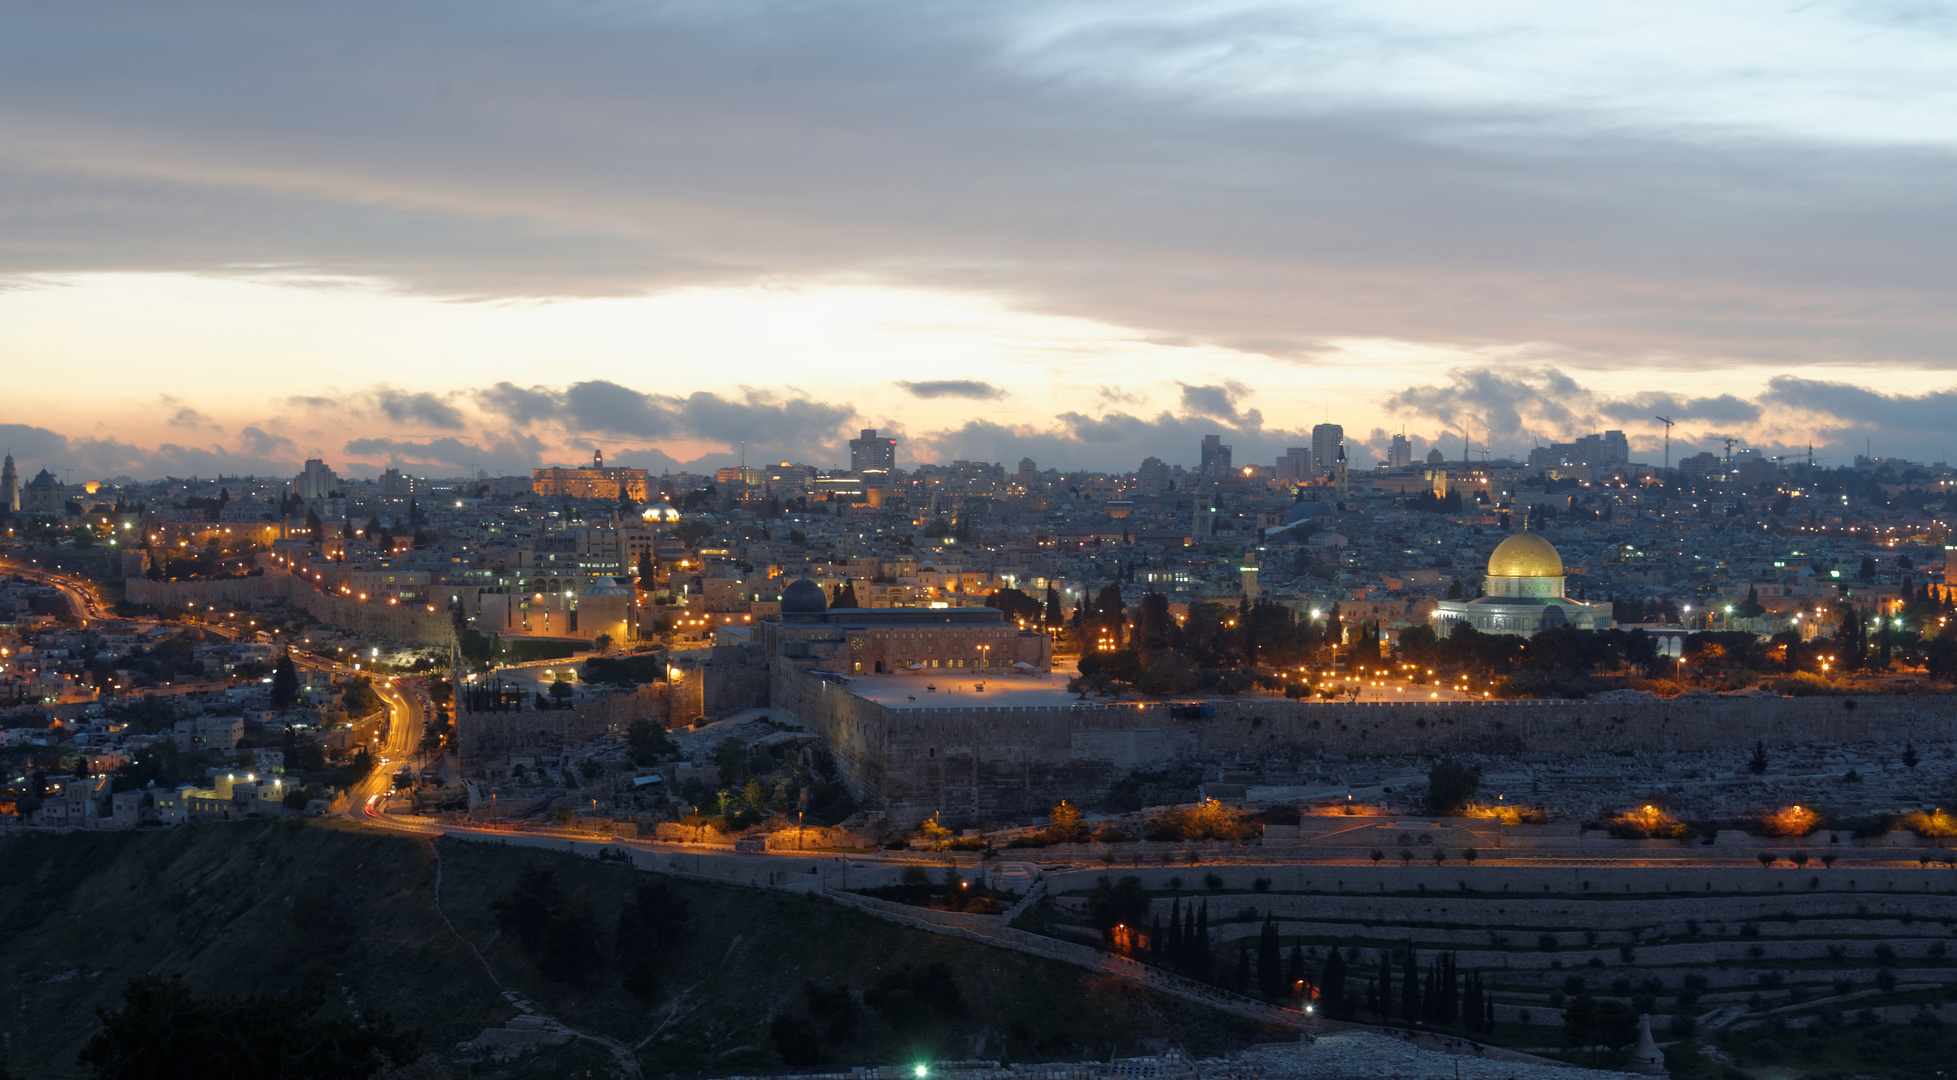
(9, 486)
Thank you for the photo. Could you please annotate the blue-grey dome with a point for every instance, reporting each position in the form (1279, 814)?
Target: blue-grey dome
(803, 597)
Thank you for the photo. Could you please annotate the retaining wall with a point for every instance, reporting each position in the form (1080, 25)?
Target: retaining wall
(393, 622)
(486, 737)
(971, 763)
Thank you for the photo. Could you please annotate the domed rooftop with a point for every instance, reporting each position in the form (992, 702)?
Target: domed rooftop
(1302, 511)
(803, 597)
(607, 587)
(1525, 555)
(661, 514)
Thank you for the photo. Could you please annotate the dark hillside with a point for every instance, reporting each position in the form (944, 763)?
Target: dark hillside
(275, 905)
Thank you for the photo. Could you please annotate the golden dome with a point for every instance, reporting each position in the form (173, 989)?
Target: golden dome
(1525, 555)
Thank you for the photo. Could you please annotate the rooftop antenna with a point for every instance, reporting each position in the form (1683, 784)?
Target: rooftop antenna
(1729, 451)
(1667, 421)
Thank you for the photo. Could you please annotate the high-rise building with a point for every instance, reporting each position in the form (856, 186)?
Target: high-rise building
(1295, 466)
(1401, 454)
(1216, 457)
(1029, 474)
(317, 481)
(9, 486)
(1153, 477)
(1606, 450)
(873, 458)
(394, 484)
(1325, 442)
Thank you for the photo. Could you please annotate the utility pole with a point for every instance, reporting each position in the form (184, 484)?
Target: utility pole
(1667, 421)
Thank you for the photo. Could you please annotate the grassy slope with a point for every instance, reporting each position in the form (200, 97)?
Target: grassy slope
(269, 905)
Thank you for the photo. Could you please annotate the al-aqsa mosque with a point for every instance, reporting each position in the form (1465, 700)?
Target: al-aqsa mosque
(1524, 594)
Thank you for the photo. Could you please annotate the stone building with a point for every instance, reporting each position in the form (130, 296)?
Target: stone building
(880, 641)
(1525, 594)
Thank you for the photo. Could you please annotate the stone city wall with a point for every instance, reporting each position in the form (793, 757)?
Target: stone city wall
(176, 594)
(992, 762)
(393, 622)
(483, 738)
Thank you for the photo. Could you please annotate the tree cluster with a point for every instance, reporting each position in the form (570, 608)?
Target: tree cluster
(164, 1031)
(1433, 997)
(1185, 944)
(562, 936)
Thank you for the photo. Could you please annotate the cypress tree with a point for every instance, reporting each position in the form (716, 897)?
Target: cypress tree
(1294, 971)
(1202, 942)
(1270, 961)
(1331, 989)
(1410, 986)
(1385, 983)
(1243, 967)
(1155, 937)
(1175, 932)
(1430, 1006)
(1450, 991)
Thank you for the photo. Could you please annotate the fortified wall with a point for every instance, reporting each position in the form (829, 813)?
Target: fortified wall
(487, 740)
(994, 762)
(394, 622)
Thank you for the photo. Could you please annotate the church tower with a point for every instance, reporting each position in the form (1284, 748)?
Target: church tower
(9, 486)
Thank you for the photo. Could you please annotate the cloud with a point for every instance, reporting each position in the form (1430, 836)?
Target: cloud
(417, 408)
(600, 407)
(1218, 401)
(1510, 409)
(955, 388)
(1855, 405)
(518, 404)
(264, 444)
(84, 457)
(508, 454)
(1266, 177)
(1115, 441)
(185, 416)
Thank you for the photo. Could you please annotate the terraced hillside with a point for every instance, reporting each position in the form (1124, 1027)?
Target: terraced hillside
(1771, 972)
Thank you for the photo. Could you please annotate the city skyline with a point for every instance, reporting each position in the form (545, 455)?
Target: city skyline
(1070, 233)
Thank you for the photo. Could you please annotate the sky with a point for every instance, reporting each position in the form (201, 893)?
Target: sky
(486, 236)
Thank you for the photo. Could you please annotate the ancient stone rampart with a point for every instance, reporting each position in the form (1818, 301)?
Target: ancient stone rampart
(392, 622)
(176, 594)
(988, 762)
(483, 738)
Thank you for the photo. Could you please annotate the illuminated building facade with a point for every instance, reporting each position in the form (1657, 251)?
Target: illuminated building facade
(1525, 594)
(595, 482)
